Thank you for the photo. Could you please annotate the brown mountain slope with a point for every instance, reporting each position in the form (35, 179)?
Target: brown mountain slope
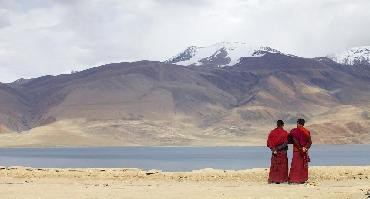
(152, 103)
(14, 110)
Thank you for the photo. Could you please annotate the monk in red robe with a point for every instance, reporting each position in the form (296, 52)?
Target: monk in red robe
(278, 143)
(301, 140)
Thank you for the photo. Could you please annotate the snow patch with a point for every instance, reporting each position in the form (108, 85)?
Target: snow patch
(352, 56)
(235, 50)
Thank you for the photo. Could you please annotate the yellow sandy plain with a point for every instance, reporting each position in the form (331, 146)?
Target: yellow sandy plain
(324, 182)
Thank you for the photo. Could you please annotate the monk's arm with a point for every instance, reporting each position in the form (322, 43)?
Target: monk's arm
(296, 143)
(281, 146)
(309, 143)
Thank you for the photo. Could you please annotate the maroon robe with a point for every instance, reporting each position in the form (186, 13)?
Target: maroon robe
(299, 166)
(279, 161)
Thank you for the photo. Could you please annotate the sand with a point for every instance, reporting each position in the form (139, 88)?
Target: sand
(324, 182)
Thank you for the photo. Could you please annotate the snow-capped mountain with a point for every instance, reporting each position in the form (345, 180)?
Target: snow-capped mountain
(353, 56)
(220, 54)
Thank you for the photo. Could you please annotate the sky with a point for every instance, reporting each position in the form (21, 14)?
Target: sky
(40, 37)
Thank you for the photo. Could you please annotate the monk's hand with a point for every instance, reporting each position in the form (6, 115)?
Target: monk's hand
(274, 152)
(304, 149)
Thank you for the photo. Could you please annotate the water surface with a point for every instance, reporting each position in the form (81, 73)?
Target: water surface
(175, 158)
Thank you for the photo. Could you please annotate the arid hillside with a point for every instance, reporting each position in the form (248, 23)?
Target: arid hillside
(155, 103)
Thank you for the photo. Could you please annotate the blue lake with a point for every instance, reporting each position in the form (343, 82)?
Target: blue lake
(175, 158)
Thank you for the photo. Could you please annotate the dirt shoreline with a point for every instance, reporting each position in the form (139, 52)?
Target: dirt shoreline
(324, 182)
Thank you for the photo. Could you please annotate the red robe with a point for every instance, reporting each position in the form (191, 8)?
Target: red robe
(279, 161)
(299, 166)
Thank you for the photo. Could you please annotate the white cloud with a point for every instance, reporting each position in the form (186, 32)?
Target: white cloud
(38, 38)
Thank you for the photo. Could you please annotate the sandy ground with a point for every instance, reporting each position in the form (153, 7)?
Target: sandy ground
(325, 182)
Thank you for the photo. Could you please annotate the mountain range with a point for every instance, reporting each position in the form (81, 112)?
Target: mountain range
(224, 94)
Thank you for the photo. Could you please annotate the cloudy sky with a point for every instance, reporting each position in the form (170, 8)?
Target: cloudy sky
(39, 37)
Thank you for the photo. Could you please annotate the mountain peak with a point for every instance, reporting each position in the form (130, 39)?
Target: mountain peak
(353, 56)
(219, 54)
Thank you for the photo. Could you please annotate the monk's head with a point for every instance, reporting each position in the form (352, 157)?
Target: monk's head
(300, 122)
(280, 123)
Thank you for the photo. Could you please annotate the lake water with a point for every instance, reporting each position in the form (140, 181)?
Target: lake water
(175, 158)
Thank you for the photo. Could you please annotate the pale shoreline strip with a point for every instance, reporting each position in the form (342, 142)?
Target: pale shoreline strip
(317, 173)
